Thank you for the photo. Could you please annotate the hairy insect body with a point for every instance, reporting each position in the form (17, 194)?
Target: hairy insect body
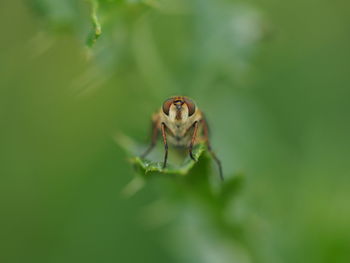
(180, 132)
(181, 124)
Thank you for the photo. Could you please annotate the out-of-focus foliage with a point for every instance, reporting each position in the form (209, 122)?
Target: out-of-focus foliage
(272, 78)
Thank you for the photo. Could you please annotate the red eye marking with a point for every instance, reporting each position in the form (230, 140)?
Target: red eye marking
(167, 104)
(191, 106)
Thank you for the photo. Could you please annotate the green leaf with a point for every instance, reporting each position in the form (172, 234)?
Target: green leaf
(146, 165)
(183, 169)
(201, 182)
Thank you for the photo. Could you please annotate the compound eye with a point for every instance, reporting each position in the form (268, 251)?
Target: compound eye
(166, 105)
(191, 106)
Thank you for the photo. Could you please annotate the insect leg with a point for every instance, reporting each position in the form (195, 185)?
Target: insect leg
(154, 139)
(206, 136)
(165, 144)
(194, 135)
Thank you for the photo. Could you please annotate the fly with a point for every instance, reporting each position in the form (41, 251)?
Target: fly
(181, 124)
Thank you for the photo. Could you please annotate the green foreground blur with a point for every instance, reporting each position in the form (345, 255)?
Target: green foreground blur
(273, 79)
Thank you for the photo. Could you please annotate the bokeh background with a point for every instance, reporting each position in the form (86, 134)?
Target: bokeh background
(273, 78)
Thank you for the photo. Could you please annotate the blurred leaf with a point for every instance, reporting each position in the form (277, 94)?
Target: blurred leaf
(96, 26)
(60, 15)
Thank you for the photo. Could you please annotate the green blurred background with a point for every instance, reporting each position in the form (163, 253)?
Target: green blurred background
(273, 79)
